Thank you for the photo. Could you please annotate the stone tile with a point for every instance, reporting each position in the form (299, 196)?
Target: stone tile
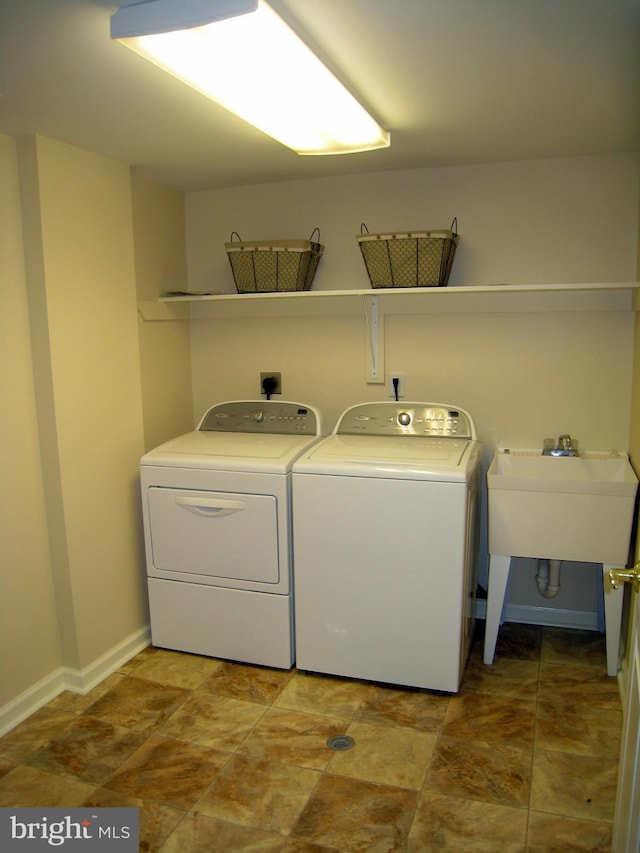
(391, 756)
(257, 793)
(176, 668)
(215, 721)
(319, 694)
(553, 834)
(353, 815)
(295, 845)
(6, 764)
(497, 773)
(519, 641)
(24, 787)
(293, 738)
(579, 729)
(133, 663)
(200, 834)
(447, 823)
(574, 684)
(415, 709)
(34, 732)
(577, 786)
(572, 646)
(483, 717)
(243, 681)
(155, 822)
(507, 676)
(168, 771)
(138, 704)
(75, 703)
(90, 750)
(210, 743)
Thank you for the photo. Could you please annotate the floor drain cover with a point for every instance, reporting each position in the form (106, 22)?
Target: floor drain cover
(340, 742)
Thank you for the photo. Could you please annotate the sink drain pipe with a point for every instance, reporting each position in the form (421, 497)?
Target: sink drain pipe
(548, 577)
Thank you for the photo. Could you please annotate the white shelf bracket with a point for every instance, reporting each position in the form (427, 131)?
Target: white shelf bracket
(375, 342)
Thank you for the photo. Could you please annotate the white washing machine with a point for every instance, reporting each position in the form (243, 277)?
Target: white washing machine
(217, 526)
(385, 539)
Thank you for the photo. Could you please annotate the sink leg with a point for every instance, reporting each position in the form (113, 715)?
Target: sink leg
(612, 619)
(498, 577)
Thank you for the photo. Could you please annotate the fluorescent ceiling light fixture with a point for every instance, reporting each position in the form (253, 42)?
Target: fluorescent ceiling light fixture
(242, 55)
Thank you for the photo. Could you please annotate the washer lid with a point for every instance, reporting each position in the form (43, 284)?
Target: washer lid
(394, 457)
(224, 451)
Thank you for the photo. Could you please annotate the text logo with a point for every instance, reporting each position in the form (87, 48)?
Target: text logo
(30, 830)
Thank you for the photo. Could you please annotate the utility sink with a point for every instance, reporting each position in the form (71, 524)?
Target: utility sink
(577, 508)
(564, 508)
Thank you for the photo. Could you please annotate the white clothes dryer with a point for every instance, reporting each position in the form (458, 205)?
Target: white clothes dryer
(385, 539)
(217, 525)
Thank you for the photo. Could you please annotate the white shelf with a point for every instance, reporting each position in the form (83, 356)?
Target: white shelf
(607, 296)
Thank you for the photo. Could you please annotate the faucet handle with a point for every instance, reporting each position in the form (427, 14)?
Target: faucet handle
(568, 445)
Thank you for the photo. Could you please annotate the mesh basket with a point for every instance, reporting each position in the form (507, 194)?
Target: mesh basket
(262, 266)
(417, 259)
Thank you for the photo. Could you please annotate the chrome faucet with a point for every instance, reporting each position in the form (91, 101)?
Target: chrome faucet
(566, 446)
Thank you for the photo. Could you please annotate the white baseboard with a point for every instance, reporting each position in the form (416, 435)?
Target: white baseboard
(66, 678)
(31, 700)
(556, 617)
(82, 681)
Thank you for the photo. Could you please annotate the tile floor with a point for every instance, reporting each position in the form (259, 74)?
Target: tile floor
(229, 757)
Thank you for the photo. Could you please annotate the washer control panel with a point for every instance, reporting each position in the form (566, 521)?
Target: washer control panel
(430, 420)
(262, 416)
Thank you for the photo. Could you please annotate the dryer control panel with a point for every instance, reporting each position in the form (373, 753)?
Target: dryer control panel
(262, 416)
(430, 420)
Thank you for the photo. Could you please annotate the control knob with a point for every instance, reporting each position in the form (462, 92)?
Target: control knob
(258, 416)
(404, 418)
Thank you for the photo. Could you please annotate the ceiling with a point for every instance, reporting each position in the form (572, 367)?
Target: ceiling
(454, 81)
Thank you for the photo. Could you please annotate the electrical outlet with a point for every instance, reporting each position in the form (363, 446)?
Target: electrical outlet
(276, 379)
(395, 374)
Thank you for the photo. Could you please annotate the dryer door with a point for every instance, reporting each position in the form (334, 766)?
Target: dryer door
(215, 535)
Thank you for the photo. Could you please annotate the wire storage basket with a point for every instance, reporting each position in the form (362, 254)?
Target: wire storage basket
(414, 259)
(263, 266)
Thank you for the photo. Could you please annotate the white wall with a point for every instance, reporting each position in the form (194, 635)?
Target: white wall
(523, 376)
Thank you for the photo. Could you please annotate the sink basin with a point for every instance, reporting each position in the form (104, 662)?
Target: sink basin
(562, 508)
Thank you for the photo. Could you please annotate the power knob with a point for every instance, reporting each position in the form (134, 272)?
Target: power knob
(404, 418)
(258, 416)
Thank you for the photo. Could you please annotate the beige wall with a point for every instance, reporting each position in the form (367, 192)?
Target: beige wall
(73, 601)
(85, 383)
(71, 564)
(634, 437)
(28, 621)
(161, 265)
(81, 285)
(523, 376)
(544, 221)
